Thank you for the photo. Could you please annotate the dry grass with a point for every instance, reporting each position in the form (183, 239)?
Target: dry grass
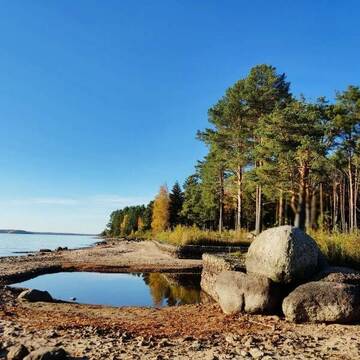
(184, 235)
(339, 248)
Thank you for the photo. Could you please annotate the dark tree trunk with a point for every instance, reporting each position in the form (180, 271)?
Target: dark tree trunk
(321, 224)
(313, 210)
(300, 207)
(239, 198)
(307, 209)
(281, 208)
(221, 201)
(258, 209)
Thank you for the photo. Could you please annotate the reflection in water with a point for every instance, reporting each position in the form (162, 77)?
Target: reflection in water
(174, 289)
(140, 289)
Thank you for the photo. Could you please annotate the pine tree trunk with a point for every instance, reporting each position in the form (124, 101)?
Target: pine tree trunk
(281, 208)
(221, 200)
(258, 209)
(307, 209)
(335, 206)
(356, 191)
(300, 208)
(313, 210)
(321, 224)
(342, 206)
(286, 215)
(351, 197)
(239, 198)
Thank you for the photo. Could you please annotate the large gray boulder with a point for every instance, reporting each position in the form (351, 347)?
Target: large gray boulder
(238, 292)
(322, 301)
(284, 254)
(33, 295)
(48, 353)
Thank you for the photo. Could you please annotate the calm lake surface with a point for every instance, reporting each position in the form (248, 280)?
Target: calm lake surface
(148, 289)
(18, 244)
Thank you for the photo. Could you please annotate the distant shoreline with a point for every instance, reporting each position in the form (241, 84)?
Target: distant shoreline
(24, 232)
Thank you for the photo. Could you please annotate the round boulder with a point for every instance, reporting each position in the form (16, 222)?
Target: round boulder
(322, 301)
(284, 254)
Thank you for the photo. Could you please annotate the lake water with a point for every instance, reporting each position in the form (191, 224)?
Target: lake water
(18, 244)
(148, 289)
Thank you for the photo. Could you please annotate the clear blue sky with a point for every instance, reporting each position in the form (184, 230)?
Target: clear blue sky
(100, 100)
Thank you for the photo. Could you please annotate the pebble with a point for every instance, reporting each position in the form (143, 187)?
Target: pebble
(256, 353)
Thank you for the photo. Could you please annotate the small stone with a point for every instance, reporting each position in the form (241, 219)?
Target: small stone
(53, 334)
(230, 339)
(17, 352)
(249, 341)
(196, 346)
(256, 353)
(163, 343)
(188, 338)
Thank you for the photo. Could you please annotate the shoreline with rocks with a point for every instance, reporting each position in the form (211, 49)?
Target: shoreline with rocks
(200, 331)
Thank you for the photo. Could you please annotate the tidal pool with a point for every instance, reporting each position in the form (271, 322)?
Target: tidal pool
(139, 289)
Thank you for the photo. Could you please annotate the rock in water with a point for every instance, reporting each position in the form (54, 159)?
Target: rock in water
(49, 353)
(321, 301)
(33, 295)
(17, 352)
(284, 254)
(237, 291)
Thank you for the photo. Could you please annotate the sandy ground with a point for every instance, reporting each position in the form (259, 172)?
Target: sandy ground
(186, 332)
(116, 257)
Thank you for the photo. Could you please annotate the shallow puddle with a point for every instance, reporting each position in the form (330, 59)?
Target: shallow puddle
(140, 289)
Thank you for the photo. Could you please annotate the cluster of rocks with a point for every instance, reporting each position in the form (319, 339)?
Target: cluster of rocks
(285, 270)
(59, 248)
(20, 352)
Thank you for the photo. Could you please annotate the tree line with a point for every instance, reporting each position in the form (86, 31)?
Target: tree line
(164, 212)
(272, 159)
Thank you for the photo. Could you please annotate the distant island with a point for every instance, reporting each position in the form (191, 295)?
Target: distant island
(24, 232)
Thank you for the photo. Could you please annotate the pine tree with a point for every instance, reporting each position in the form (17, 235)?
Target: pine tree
(192, 211)
(347, 125)
(264, 91)
(147, 215)
(175, 206)
(291, 151)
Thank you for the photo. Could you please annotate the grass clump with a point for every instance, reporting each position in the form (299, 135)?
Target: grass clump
(342, 249)
(185, 235)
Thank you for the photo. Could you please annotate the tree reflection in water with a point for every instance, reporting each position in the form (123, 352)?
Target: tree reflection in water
(173, 289)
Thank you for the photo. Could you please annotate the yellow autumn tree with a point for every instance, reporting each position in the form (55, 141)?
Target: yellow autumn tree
(140, 223)
(160, 216)
(124, 225)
